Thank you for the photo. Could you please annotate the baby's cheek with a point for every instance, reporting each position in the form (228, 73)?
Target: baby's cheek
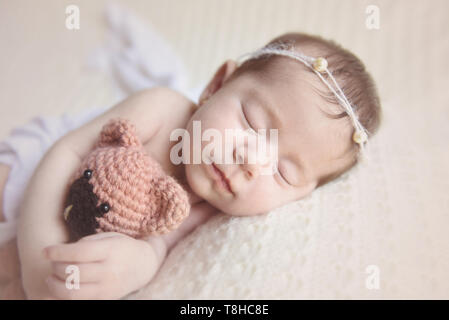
(267, 195)
(196, 180)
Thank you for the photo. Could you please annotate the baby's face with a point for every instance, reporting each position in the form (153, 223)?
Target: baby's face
(308, 143)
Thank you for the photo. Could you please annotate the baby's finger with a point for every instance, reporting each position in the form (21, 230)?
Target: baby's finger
(61, 290)
(84, 272)
(101, 236)
(81, 251)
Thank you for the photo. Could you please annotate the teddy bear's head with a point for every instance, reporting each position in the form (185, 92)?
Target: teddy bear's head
(120, 188)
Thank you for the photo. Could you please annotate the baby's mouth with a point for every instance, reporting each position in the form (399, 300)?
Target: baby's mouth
(224, 180)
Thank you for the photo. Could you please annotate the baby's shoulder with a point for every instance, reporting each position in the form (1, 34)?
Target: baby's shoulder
(173, 111)
(161, 107)
(175, 108)
(169, 100)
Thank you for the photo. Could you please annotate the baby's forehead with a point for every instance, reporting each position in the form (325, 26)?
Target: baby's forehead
(290, 94)
(291, 89)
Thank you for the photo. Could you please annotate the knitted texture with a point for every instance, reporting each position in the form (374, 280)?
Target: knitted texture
(120, 188)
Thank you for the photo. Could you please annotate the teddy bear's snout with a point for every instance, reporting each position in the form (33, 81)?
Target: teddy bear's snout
(67, 211)
(81, 210)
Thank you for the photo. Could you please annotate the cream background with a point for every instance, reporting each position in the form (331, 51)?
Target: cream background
(394, 215)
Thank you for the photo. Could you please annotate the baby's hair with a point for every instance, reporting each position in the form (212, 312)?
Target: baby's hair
(347, 69)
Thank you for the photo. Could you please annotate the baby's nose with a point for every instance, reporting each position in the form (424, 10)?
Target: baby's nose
(252, 163)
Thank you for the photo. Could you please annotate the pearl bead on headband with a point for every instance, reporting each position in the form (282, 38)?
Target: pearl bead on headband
(319, 67)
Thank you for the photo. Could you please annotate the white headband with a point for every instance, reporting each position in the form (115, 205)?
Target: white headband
(319, 66)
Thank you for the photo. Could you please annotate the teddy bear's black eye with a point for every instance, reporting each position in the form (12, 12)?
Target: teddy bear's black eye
(104, 207)
(87, 174)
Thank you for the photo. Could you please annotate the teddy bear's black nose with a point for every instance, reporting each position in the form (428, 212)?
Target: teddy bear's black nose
(81, 209)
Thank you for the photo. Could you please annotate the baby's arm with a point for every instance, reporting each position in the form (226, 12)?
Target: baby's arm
(40, 223)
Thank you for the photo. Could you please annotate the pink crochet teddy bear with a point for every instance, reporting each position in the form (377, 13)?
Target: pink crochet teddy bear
(120, 188)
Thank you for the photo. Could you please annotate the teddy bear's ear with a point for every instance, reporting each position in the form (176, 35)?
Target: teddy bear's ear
(118, 132)
(169, 206)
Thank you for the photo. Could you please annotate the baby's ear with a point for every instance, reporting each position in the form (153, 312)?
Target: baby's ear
(221, 76)
(118, 132)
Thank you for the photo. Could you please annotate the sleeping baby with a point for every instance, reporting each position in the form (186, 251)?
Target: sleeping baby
(316, 96)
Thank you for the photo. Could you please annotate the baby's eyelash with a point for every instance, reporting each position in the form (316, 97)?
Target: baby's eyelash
(282, 177)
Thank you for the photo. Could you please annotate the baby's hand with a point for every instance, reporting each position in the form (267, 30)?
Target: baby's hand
(110, 265)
